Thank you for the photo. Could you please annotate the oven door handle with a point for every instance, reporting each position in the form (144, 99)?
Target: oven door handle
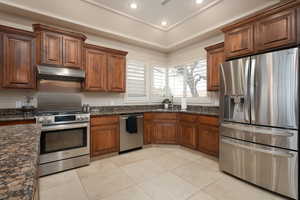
(64, 126)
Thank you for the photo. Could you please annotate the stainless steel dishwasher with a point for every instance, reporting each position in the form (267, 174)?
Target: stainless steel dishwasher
(130, 141)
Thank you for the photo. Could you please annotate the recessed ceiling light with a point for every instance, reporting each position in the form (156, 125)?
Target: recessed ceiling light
(199, 1)
(133, 6)
(164, 23)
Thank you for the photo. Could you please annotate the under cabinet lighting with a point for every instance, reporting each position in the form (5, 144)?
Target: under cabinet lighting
(164, 23)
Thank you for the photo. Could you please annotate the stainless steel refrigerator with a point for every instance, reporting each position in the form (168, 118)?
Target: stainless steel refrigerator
(260, 120)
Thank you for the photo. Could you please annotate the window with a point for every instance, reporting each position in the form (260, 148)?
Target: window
(159, 82)
(176, 81)
(188, 80)
(196, 80)
(136, 81)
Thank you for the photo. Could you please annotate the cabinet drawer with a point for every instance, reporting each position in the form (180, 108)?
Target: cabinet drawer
(95, 121)
(160, 116)
(208, 120)
(188, 118)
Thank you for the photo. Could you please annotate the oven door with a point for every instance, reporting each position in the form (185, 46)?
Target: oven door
(64, 141)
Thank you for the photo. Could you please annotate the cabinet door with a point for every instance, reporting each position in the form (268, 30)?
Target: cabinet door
(148, 132)
(165, 133)
(105, 139)
(188, 135)
(208, 140)
(215, 57)
(116, 73)
(276, 30)
(96, 70)
(72, 52)
(18, 62)
(239, 41)
(51, 51)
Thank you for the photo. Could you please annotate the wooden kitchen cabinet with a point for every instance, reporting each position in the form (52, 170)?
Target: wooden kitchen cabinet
(215, 57)
(239, 41)
(18, 122)
(165, 132)
(148, 130)
(58, 47)
(272, 28)
(17, 60)
(116, 73)
(105, 69)
(51, 48)
(276, 30)
(105, 135)
(208, 135)
(72, 52)
(96, 70)
(188, 135)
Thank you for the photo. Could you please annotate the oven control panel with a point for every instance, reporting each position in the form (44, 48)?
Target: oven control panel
(62, 119)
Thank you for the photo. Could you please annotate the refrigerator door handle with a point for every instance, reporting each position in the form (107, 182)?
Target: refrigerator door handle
(252, 88)
(256, 148)
(247, 92)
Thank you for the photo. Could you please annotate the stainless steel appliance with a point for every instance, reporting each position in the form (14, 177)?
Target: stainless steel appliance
(129, 141)
(259, 101)
(65, 137)
(60, 73)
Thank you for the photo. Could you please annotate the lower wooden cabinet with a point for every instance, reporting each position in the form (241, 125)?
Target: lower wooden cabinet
(199, 132)
(148, 127)
(188, 135)
(105, 135)
(208, 140)
(165, 132)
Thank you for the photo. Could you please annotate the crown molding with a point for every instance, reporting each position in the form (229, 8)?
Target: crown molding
(166, 29)
(49, 18)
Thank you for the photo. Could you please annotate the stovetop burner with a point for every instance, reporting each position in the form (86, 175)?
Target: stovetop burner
(51, 113)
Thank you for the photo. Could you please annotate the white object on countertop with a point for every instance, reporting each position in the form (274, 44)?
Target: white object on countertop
(183, 104)
(166, 105)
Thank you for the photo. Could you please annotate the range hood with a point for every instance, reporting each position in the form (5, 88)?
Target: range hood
(58, 73)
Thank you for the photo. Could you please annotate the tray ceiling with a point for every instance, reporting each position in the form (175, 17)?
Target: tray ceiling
(153, 12)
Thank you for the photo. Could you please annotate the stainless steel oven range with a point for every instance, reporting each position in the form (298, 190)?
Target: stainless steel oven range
(65, 139)
(64, 142)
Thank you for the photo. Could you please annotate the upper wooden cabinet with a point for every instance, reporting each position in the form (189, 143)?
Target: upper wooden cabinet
(17, 60)
(105, 69)
(96, 70)
(116, 73)
(276, 30)
(272, 28)
(239, 41)
(215, 57)
(59, 47)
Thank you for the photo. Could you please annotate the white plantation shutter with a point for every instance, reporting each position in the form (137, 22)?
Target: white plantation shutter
(159, 82)
(196, 79)
(136, 80)
(176, 81)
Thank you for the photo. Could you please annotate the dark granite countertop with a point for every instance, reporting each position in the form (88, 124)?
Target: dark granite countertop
(19, 161)
(16, 117)
(101, 113)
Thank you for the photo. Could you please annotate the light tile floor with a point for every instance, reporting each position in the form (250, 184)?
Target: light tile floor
(156, 173)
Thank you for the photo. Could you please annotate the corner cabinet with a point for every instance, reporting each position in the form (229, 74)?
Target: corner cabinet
(105, 135)
(105, 69)
(272, 28)
(58, 47)
(17, 60)
(215, 57)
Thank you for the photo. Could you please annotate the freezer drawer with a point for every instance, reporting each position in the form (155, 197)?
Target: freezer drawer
(268, 167)
(283, 138)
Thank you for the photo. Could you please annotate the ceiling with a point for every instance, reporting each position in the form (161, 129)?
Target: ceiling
(153, 12)
(189, 23)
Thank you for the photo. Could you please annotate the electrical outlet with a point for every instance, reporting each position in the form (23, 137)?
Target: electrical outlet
(18, 104)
